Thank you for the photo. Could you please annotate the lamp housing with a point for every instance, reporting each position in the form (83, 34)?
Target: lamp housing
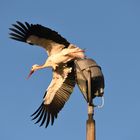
(89, 77)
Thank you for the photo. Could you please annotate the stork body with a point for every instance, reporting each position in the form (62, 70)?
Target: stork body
(61, 56)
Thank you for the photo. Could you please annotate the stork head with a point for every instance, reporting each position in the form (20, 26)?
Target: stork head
(33, 69)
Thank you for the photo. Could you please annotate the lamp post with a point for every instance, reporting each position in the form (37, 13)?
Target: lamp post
(90, 124)
(90, 81)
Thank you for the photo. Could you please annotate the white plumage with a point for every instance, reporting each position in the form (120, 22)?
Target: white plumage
(61, 56)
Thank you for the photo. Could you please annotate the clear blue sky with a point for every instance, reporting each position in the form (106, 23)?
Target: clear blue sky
(110, 32)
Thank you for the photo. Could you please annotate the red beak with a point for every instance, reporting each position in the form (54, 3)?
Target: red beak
(31, 72)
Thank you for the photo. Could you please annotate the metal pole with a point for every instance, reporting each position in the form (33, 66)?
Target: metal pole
(90, 124)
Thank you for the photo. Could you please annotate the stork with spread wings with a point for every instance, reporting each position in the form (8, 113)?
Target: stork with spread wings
(61, 56)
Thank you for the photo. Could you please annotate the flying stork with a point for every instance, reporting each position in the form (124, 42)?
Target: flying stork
(61, 56)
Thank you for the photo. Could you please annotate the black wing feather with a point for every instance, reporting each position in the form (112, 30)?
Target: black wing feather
(23, 26)
(40, 107)
(18, 39)
(41, 115)
(37, 113)
(59, 100)
(16, 26)
(18, 36)
(52, 119)
(44, 118)
(23, 31)
(16, 31)
(48, 120)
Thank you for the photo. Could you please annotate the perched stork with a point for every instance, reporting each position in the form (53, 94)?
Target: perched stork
(61, 56)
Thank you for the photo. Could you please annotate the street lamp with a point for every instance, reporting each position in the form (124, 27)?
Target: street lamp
(90, 81)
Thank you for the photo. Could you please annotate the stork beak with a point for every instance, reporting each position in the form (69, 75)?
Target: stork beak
(31, 72)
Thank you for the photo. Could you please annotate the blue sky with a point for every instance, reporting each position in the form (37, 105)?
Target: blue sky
(110, 32)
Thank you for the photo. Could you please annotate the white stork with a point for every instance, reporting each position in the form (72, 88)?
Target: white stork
(61, 56)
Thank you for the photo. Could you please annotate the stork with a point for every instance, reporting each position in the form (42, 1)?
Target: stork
(61, 56)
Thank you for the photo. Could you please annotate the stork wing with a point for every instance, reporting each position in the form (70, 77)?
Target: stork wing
(56, 95)
(38, 35)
